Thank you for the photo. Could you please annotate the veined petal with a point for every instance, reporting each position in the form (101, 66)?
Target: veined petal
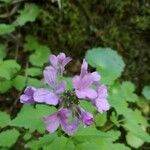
(69, 128)
(87, 118)
(61, 57)
(76, 82)
(60, 88)
(84, 68)
(96, 76)
(45, 96)
(66, 61)
(50, 75)
(27, 97)
(102, 91)
(52, 122)
(102, 104)
(53, 60)
(86, 93)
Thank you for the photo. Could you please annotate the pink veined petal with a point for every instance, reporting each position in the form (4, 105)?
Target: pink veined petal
(27, 97)
(53, 60)
(66, 61)
(61, 57)
(102, 91)
(70, 129)
(87, 118)
(76, 82)
(50, 75)
(45, 96)
(102, 105)
(60, 88)
(52, 122)
(80, 83)
(96, 76)
(86, 93)
(84, 68)
(86, 81)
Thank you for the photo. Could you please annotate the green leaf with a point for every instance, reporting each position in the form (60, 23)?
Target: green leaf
(35, 121)
(34, 82)
(31, 43)
(42, 141)
(40, 52)
(87, 106)
(88, 146)
(40, 55)
(28, 14)
(114, 119)
(90, 133)
(8, 68)
(5, 85)
(68, 80)
(100, 119)
(137, 130)
(146, 92)
(99, 140)
(107, 62)
(58, 144)
(2, 51)
(19, 82)
(116, 100)
(33, 72)
(6, 28)
(134, 141)
(27, 136)
(5, 118)
(8, 137)
(127, 89)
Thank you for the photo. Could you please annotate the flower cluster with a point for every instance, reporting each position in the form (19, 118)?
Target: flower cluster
(86, 86)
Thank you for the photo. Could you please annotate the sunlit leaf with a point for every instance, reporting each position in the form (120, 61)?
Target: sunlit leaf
(107, 62)
(4, 119)
(8, 137)
(32, 118)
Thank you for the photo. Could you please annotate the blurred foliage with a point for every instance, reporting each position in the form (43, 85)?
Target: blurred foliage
(31, 30)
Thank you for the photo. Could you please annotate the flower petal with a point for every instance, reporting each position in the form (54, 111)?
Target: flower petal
(102, 104)
(50, 75)
(53, 60)
(66, 61)
(52, 122)
(86, 93)
(60, 88)
(69, 128)
(27, 97)
(45, 96)
(84, 68)
(96, 76)
(87, 118)
(102, 91)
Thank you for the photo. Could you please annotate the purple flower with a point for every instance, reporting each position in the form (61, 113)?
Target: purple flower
(84, 81)
(54, 93)
(50, 96)
(101, 101)
(59, 62)
(61, 118)
(87, 118)
(50, 75)
(45, 96)
(27, 97)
